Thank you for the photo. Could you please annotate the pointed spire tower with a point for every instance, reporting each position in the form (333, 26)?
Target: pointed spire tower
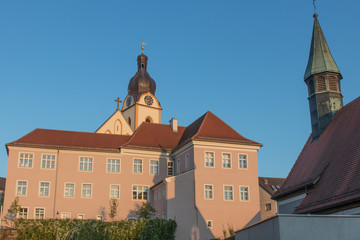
(322, 76)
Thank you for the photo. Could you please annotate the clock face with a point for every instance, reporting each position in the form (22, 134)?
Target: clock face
(129, 101)
(148, 100)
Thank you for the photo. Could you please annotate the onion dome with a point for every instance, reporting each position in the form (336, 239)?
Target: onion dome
(141, 82)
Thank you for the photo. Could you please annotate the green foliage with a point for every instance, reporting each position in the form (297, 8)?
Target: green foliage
(158, 229)
(15, 206)
(73, 229)
(113, 208)
(146, 211)
(231, 230)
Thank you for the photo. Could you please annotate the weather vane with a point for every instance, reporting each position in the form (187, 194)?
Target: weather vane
(142, 46)
(314, 6)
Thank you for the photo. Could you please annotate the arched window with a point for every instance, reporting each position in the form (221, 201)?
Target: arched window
(148, 119)
(321, 86)
(129, 121)
(333, 83)
(311, 87)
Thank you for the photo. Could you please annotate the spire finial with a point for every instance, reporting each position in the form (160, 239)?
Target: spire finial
(314, 9)
(118, 101)
(142, 46)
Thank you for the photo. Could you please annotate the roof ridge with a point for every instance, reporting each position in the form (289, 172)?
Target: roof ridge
(202, 122)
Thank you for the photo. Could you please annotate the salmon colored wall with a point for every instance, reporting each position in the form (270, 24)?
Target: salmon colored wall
(68, 171)
(224, 213)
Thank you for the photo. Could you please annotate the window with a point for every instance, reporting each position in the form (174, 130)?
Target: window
(242, 161)
(65, 215)
(155, 196)
(209, 159)
(39, 213)
(113, 165)
(170, 168)
(209, 223)
(140, 192)
(244, 193)
(226, 160)
(69, 190)
(159, 194)
(163, 191)
(228, 193)
(48, 161)
(321, 85)
(44, 189)
(26, 160)
(99, 217)
(115, 191)
(23, 213)
(21, 188)
(137, 166)
(267, 206)
(275, 187)
(86, 164)
(186, 161)
(178, 166)
(208, 192)
(86, 191)
(80, 216)
(154, 167)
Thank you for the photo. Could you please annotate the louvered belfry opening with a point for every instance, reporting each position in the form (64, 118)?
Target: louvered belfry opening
(333, 83)
(321, 85)
(311, 87)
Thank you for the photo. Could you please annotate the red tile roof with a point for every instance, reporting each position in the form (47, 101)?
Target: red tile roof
(266, 183)
(68, 139)
(332, 164)
(152, 135)
(147, 135)
(210, 127)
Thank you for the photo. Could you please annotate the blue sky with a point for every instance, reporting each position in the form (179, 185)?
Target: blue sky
(62, 64)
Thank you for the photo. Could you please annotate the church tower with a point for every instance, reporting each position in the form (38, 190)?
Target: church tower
(141, 105)
(322, 76)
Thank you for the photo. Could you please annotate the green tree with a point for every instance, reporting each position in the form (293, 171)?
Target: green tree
(146, 211)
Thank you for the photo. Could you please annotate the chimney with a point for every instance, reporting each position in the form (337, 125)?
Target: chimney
(266, 181)
(174, 124)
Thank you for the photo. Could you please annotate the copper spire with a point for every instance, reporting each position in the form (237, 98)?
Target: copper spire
(320, 58)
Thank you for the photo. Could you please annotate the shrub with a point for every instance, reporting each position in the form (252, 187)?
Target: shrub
(73, 229)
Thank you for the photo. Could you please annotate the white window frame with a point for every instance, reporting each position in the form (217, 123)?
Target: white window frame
(222, 160)
(40, 187)
(211, 224)
(232, 192)
(65, 213)
(206, 159)
(246, 160)
(111, 164)
(20, 213)
(32, 160)
(66, 188)
(26, 188)
(172, 167)
(99, 217)
(137, 191)
(92, 164)
(248, 193)
(212, 192)
(35, 212)
(91, 191)
(46, 160)
(152, 167)
(82, 216)
(137, 166)
(111, 190)
(187, 161)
